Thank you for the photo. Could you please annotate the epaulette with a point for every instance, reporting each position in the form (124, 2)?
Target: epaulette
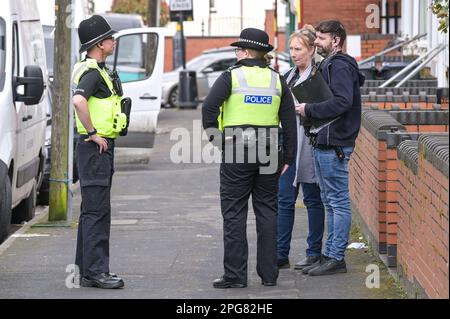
(91, 64)
(233, 67)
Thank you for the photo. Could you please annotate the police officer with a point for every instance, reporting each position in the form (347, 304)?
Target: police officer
(99, 121)
(250, 96)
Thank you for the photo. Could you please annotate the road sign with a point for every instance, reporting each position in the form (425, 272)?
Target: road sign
(180, 5)
(181, 10)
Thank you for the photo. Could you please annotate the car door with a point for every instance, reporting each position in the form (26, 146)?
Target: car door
(139, 61)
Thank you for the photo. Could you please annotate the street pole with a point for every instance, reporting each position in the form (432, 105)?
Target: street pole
(152, 13)
(242, 14)
(152, 21)
(299, 14)
(275, 40)
(59, 179)
(209, 19)
(73, 60)
(183, 42)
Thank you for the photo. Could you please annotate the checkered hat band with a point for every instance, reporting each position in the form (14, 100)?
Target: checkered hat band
(254, 42)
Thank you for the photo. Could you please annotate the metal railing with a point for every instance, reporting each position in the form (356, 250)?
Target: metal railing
(409, 67)
(421, 65)
(399, 45)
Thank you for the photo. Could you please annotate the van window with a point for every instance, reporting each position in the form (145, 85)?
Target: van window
(2, 53)
(136, 55)
(35, 47)
(49, 40)
(15, 51)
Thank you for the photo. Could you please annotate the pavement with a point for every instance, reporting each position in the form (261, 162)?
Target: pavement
(166, 241)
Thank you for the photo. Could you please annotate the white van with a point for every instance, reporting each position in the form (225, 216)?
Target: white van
(139, 60)
(22, 110)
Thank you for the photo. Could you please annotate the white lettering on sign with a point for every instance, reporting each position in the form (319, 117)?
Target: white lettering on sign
(180, 5)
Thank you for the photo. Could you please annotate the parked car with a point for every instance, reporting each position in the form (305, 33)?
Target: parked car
(22, 111)
(208, 67)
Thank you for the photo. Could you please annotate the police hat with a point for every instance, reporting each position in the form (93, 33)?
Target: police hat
(255, 39)
(92, 31)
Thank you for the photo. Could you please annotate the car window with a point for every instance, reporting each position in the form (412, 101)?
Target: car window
(222, 65)
(198, 63)
(135, 56)
(2, 53)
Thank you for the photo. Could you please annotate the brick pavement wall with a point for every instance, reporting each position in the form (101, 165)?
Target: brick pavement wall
(427, 128)
(367, 176)
(374, 187)
(423, 229)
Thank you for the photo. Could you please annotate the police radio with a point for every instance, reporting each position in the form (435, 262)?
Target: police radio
(125, 106)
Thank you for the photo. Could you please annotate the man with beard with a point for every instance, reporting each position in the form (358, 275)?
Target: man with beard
(334, 142)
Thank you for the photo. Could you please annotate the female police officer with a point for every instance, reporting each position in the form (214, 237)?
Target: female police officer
(99, 121)
(250, 95)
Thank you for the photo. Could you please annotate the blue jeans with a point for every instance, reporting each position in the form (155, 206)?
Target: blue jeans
(316, 218)
(287, 195)
(333, 180)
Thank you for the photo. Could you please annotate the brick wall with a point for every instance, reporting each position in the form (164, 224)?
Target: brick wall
(352, 13)
(269, 28)
(194, 47)
(374, 43)
(380, 197)
(367, 187)
(423, 219)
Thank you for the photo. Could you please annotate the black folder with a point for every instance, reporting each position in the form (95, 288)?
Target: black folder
(313, 90)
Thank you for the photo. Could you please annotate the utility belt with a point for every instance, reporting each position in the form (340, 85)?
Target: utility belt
(83, 137)
(252, 137)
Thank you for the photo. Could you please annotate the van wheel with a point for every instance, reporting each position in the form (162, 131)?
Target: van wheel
(5, 202)
(26, 209)
(43, 197)
(173, 97)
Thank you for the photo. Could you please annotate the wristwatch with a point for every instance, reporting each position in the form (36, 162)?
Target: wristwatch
(92, 133)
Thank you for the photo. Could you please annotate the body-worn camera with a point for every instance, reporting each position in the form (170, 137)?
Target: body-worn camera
(117, 84)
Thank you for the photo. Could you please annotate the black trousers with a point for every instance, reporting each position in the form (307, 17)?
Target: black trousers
(95, 171)
(237, 182)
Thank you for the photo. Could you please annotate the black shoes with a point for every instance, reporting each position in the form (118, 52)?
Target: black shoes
(268, 283)
(222, 283)
(322, 259)
(330, 267)
(308, 261)
(284, 264)
(104, 281)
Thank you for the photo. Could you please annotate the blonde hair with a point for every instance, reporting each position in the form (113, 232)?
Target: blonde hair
(307, 35)
(260, 55)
